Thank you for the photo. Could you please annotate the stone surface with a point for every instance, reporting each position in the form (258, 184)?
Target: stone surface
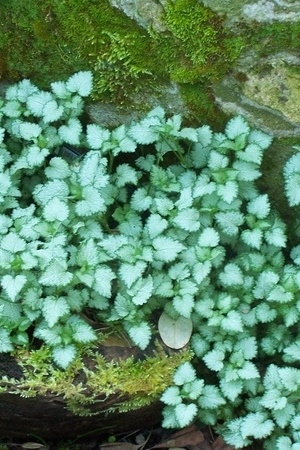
(147, 13)
(259, 11)
(109, 115)
(230, 98)
(268, 94)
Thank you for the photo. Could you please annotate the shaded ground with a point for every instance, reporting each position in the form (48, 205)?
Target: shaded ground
(190, 438)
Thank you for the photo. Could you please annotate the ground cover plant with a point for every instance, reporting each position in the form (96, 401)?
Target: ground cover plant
(149, 220)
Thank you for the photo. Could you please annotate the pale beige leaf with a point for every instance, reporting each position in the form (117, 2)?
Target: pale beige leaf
(175, 333)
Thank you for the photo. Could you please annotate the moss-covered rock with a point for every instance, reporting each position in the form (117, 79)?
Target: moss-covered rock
(51, 39)
(108, 388)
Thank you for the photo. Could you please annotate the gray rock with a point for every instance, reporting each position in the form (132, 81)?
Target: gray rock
(230, 99)
(109, 115)
(258, 11)
(147, 13)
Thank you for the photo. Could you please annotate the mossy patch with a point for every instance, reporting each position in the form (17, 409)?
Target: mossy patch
(91, 377)
(49, 40)
(205, 48)
(270, 38)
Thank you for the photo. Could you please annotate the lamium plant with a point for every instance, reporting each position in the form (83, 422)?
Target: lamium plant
(152, 219)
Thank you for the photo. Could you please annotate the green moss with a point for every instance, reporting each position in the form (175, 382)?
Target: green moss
(46, 40)
(140, 382)
(121, 55)
(204, 48)
(202, 107)
(52, 39)
(29, 44)
(274, 37)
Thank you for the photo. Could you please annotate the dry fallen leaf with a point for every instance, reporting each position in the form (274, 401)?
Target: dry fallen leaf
(119, 446)
(219, 444)
(34, 446)
(187, 436)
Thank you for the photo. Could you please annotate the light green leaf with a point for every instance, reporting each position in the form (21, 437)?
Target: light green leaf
(248, 371)
(13, 285)
(187, 219)
(140, 334)
(185, 414)
(184, 305)
(166, 249)
(92, 202)
(71, 132)
(142, 290)
(140, 200)
(260, 138)
(156, 225)
(201, 271)
(56, 274)
(96, 136)
(256, 425)
(232, 322)
(211, 398)
(214, 360)
(230, 221)
(56, 209)
(58, 169)
(84, 333)
(103, 280)
(228, 191)
(260, 206)
(231, 389)
(185, 373)
(37, 101)
(13, 243)
(54, 188)
(54, 308)
(125, 174)
(293, 351)
(88, 254)
(231, 275)
(189, 133)
(246, 171)
(52, 111)
(236, 126)
(35, 156)
(63, 356)
(5, 341)
(252, 153)
(130, 273)
(171, 396)
(5, 183)
(92, 171)
(29, 130)
(81, 82)
(284, 416)
(209, 238)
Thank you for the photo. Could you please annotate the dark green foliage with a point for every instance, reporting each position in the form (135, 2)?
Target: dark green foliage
(42, 40)
(50, 39)
(30, 43)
